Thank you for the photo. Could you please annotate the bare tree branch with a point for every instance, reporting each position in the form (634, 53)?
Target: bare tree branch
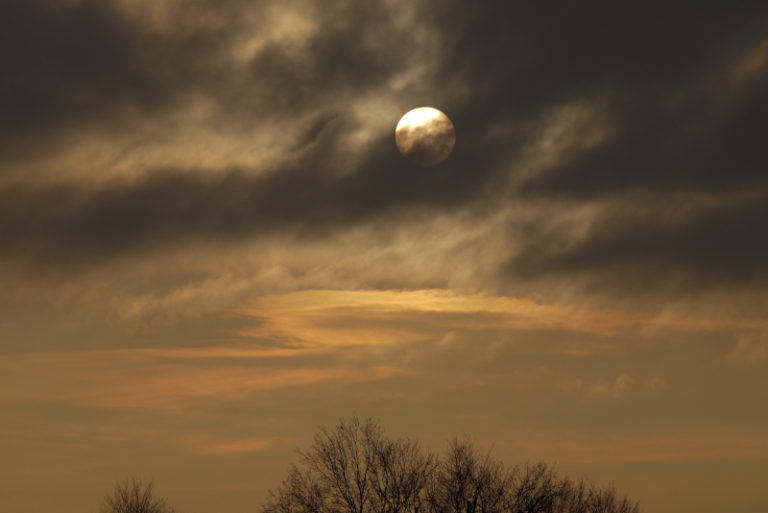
(134, 496)
(355, 468)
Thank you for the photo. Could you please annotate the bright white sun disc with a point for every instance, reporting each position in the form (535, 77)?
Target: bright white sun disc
(425, 136)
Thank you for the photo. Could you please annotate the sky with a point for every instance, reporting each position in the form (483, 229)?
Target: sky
(210, 245)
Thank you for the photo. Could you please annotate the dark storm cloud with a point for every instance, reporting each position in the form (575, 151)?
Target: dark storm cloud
(684, 122)
(700, 147)
(88, 65)
(717, 246)
(676, 123)
(69, 225)
(79, 64)
(660, 67)
(340, 60)
(521, 58)
(73, 65)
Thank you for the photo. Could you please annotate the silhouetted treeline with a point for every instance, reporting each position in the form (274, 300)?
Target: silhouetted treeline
(134, 496)
(355, 468)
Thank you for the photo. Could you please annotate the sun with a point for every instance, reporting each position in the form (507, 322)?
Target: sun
(425, 136)
(418, 117)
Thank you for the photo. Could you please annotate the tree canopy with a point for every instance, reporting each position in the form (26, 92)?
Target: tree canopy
(356, 468)
(134, 496)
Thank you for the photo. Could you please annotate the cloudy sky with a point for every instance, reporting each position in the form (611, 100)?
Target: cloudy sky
(210, 246)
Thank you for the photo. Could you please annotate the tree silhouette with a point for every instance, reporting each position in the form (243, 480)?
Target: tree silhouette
(354, 468)
(134, 496)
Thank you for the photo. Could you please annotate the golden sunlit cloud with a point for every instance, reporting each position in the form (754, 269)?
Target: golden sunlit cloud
(322, 318)
(209, 445)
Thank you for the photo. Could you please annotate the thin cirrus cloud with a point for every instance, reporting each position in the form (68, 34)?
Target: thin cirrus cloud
(167, 380)
(581, 450)
(206, 445)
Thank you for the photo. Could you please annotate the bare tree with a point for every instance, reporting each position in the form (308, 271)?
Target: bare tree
(537, 489)
(134, 496)
(467, 482)
(606, 500)
(399, 475)
(354, 468)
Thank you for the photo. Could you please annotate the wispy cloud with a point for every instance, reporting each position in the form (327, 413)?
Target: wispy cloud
(750, 349)
(613, 390)
(375, 317)
(211, 445)
(166, 379)
(570, 448)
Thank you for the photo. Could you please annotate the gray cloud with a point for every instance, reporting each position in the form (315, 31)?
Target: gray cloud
(65, 224)
(674, 126)
(85, 64)
(712, 246)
